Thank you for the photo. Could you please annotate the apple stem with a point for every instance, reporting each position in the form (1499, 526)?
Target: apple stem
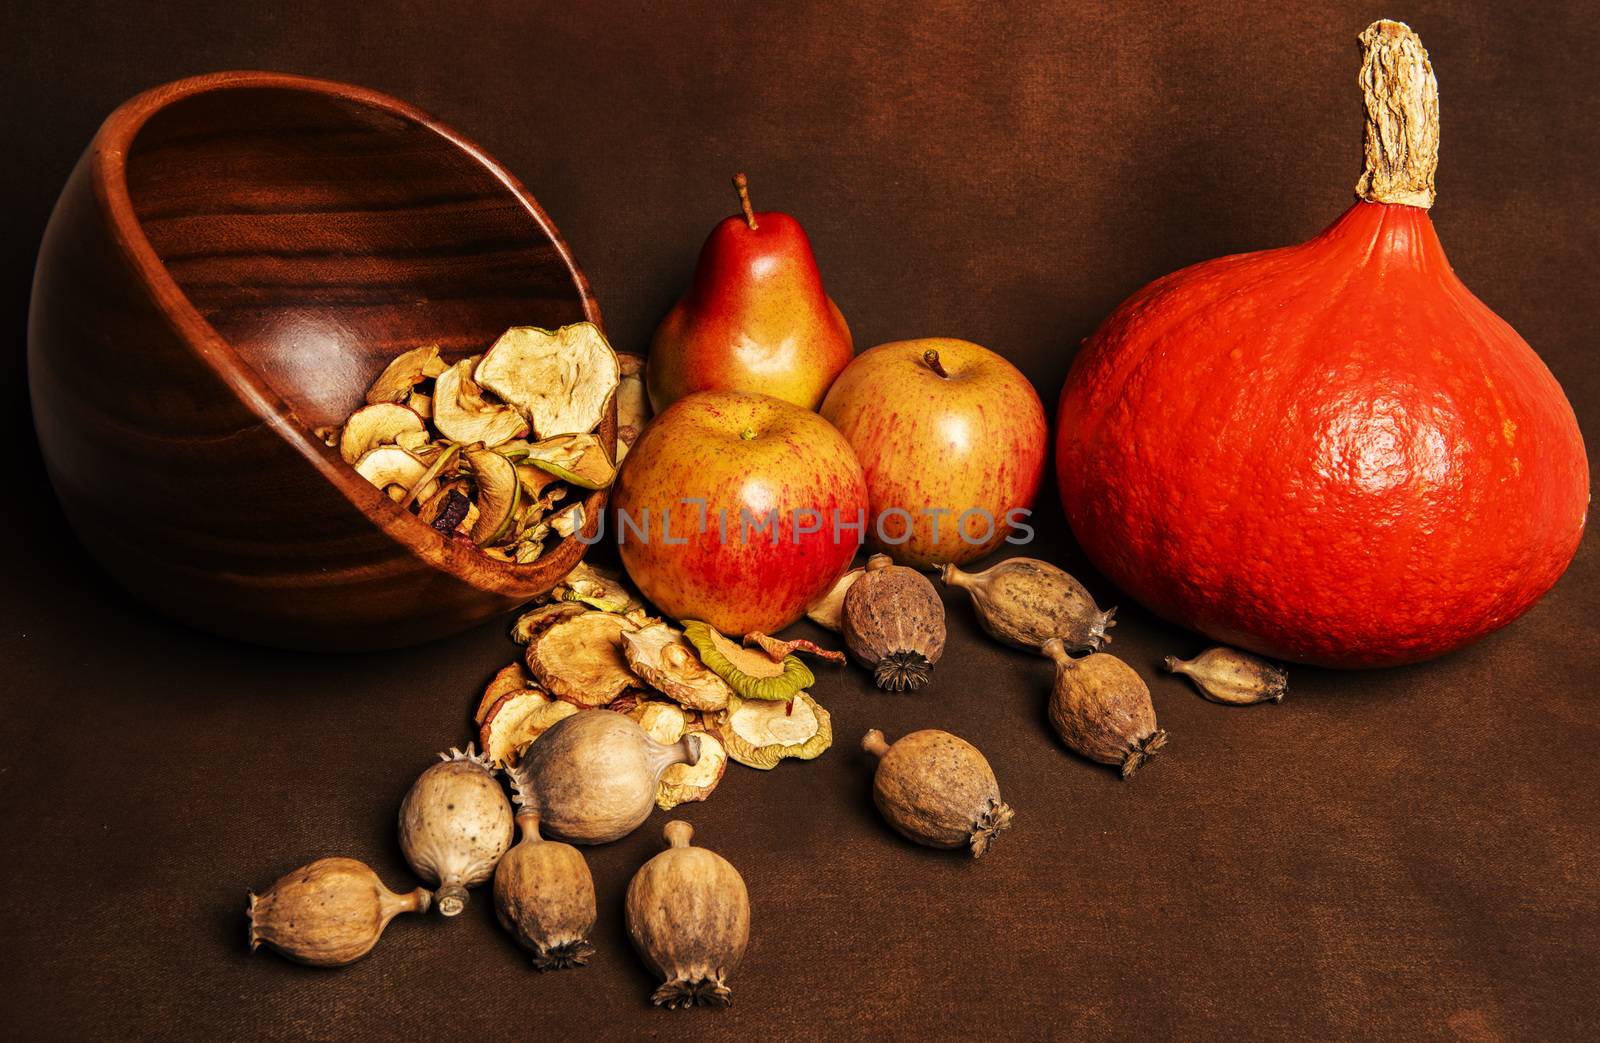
(742, 183)
(748, 434)
(931, 357)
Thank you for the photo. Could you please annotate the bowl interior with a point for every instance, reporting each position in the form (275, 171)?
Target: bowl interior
(322, 236)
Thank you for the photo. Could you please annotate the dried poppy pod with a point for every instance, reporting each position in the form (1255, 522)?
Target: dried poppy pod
(329, 913)
(544, 896)
(1101, 708)
(455, 824)
(936, 789)
(1025, 602)
(688, 914)
(894, 624)
(1227, 675)
(594, 775)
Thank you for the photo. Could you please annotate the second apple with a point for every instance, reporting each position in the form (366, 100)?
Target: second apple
(951, 438)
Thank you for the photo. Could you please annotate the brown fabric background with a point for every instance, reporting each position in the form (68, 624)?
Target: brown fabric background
(1408, 853)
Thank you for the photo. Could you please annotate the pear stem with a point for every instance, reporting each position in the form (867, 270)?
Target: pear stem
(931, 357)
(742, 183)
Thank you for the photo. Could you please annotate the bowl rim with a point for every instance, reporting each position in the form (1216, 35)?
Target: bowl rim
(109, 158)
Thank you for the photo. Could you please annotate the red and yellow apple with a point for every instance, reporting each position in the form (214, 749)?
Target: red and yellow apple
(738, 509)
(754, 319)
(952, 439)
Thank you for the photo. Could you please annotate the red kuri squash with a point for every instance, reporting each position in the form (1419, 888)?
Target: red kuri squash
(1331, 453)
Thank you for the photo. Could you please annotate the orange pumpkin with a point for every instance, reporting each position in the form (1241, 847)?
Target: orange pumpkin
(1331, 453)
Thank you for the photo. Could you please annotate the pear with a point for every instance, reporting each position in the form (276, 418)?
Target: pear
(756, 317)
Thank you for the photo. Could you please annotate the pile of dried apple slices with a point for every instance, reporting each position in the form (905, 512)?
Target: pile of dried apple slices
(593, 645)
(490, 448)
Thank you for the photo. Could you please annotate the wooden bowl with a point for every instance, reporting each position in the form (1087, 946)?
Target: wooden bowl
(232, 261)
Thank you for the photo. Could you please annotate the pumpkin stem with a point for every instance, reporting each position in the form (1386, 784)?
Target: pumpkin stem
(1402, 99)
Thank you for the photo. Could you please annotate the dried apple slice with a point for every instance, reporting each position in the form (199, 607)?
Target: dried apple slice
(625, 703)
(748, 672)
(662, 721)
(580, 659)
(515, 449)
(526, 540)
(535, 480)
(777, 648)
(659, 654)
(829, 610)
(507, 679)
(534, 620)
(567, 521)
(682, 783)
(559, 380)
(443, 459)
(633, 404)
(405, 372)
(420, 404)
(414, 442)
(579, 459)
(372, 426)
(517, 719)
(760, 734)
(498, 494)
(462, 414)
(530, 547)
(390, 466)
(596, 587)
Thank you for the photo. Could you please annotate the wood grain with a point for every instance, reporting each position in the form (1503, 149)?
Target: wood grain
(232, 261)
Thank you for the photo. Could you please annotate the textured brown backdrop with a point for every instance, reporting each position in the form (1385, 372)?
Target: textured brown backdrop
(1411, 853)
